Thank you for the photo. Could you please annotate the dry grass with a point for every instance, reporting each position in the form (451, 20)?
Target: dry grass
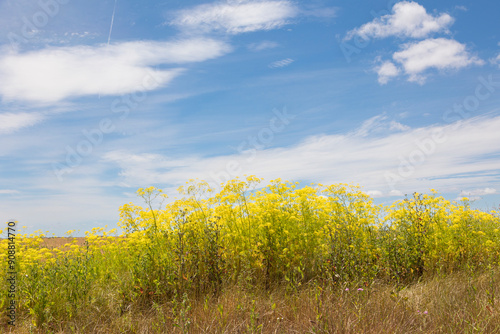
(59, 242)
(458, 303)
(63, 243)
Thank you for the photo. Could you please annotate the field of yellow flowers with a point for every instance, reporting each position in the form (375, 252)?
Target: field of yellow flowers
(246, 237)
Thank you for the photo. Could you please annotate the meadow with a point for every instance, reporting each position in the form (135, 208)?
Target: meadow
(279, 258)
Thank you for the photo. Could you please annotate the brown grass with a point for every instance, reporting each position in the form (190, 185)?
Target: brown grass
(58, 242)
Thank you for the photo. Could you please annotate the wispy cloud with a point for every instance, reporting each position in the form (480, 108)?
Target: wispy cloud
(496, 61)
(466, 158)
(10, 122)
(408, 19)
(281, 63)
(398, 126)
(53, 74)
(8, 192)
(264, 45)
(478, 192)
(377, 125)
(417, 58)
(315, 10)
(235, 17)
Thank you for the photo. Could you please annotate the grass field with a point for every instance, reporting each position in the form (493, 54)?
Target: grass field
(277, 259)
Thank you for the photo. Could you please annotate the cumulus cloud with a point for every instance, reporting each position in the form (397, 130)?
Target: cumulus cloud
(386, 71)
(438, 53)
(10, 122)
(408, 19)
(411, 20)
(415, 59)
(56, 73)
(281, 63)
(235, 17)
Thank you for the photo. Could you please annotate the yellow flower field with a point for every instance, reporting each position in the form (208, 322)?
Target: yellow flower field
(250, 236)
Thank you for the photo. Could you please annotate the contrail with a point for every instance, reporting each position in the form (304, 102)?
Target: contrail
(112, 20)
(110, 29)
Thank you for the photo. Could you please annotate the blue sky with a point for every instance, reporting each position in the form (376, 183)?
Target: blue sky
(99, 98)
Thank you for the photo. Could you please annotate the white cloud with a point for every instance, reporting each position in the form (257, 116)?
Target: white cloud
(264, 45)
(398, 126)
(464, 159)
(386, 71)
(319, 11)
(496, 61)
(478, 192)
(395, 193)
(54, 74)
(469, 198)
(281, 63)
(10, 122)
(439, 53)
(378, 125)
(371, 125)
(236, 16)
(374, 193)
(411, 20)
(408, 19)
(8, 191)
